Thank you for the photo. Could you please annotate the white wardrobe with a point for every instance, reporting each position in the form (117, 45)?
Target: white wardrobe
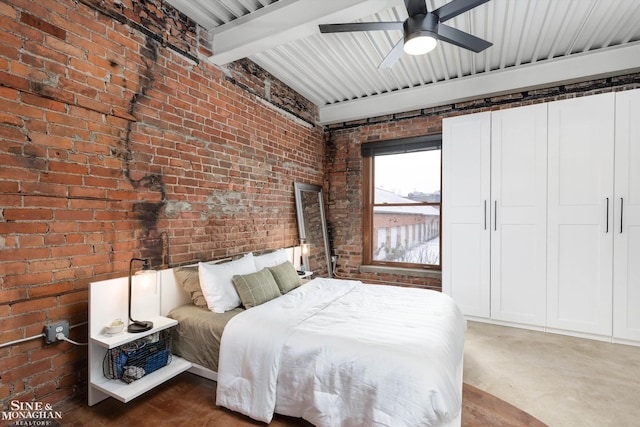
(626, 220)
(541, 215)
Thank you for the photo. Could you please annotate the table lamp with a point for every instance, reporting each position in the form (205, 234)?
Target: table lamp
(136, 326)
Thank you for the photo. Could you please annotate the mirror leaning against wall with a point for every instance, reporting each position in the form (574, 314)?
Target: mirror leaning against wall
(312, 228)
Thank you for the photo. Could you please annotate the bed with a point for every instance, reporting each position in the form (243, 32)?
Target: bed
(334, 352)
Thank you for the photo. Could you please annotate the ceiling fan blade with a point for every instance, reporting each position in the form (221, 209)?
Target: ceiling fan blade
(416, 7)
(360, 26)
(462, 39)
(393, 55)
(456, 7)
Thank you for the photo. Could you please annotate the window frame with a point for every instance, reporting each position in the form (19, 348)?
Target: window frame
(396, 146)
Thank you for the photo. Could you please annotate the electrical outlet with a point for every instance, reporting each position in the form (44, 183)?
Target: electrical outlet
(50, 331)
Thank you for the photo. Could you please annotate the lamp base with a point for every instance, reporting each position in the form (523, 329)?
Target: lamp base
(139, 326)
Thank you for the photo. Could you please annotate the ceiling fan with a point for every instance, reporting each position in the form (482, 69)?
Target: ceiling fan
(422, 29)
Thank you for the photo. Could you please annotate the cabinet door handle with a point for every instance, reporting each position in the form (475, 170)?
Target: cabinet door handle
(621, 212)
(607, 228)
(485, 214)
(495, 215)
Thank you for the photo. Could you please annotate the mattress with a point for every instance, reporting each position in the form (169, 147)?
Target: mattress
(198, 334)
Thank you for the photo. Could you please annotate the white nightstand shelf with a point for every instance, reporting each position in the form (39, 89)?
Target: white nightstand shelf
(111, 341)
(305, 275)
(126, 392)
(108, 301)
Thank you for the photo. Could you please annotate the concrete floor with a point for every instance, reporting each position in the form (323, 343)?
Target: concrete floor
(560, 380)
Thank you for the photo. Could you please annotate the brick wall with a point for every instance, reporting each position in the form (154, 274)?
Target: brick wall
(343, 166)
(117, 141)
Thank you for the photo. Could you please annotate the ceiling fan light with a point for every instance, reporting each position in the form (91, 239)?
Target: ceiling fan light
(420, 44)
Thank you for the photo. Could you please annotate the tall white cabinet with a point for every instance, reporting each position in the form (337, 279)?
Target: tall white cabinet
(519, 198)
(494, 213)
(541, 216)
(626, 218)
(580, 218)
(466, 176)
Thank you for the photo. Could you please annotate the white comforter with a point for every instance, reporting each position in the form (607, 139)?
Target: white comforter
(341, 353)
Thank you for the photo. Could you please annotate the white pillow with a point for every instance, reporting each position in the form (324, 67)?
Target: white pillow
(271, 259)
(217, 285)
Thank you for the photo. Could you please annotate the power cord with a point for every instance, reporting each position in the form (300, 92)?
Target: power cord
(61, 337)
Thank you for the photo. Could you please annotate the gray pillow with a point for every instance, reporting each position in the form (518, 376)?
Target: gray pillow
(256, 288)
(285, 276)
(188, 278)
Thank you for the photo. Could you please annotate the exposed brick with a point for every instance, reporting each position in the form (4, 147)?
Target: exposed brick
(12, 227)
(44, 202)
(60, 178)
(33, 305)
(87, 192)
(32, 240)
(50, 289)
(10, 200)
(69, 250)
(44, 390)
(24, 254)
(68, 311)
(8, 11)
(14, 361)
(74, 297)
(9, 268)
(88, 23)
(89, 260)
(27, 280)
(49, 265)
(46, 376)
(20, 110)
(27, 214)
(68, 358)
(20, 321)
(5, 390)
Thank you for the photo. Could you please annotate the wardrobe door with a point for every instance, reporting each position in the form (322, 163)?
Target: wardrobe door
(519, 214)
(580, 214)
(465, 212)
(626, 228)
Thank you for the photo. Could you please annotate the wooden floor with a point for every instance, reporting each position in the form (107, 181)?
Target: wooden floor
(189, 400)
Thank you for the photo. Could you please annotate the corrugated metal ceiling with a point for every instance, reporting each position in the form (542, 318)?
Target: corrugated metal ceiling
(534, 42)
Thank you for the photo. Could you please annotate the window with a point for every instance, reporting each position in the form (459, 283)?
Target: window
(402, 202)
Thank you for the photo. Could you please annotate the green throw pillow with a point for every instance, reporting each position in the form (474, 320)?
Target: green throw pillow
(285, 276)
(256, 288)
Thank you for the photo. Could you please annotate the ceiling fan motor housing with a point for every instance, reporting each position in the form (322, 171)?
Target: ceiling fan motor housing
(421, 26)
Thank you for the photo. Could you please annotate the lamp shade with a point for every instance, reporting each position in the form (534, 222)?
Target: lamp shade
(304, 248)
